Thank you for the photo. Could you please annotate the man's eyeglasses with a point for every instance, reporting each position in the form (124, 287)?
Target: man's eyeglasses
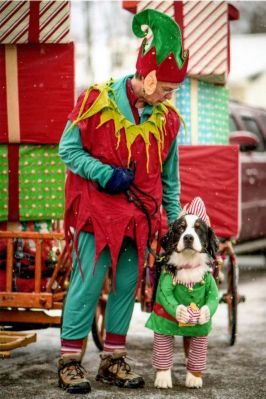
(167, 91)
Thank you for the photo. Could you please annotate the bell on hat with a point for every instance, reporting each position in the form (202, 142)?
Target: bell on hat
(197, 207)
(165, 54)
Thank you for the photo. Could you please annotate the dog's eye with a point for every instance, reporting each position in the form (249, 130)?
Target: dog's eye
(182, 227)
(197, 225)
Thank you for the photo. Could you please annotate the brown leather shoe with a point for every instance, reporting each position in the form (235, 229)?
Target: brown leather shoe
(116, 371)
(72, 376)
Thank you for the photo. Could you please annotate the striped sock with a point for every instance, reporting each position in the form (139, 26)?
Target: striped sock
(71, 347)
(162, 357)
(197, 354)
(114, 342)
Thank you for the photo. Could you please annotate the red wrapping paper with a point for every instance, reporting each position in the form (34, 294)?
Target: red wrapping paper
(212, 172)
(45, 93)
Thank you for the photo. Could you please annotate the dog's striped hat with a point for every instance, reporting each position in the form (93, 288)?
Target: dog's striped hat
(197, 207)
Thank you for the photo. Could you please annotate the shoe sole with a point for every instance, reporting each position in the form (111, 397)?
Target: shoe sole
(74, 389)
(118, 383)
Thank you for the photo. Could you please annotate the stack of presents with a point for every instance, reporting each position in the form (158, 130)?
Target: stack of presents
(36, 94)
(208, 164)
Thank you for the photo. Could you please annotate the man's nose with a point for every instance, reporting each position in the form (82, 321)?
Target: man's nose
(168, 96)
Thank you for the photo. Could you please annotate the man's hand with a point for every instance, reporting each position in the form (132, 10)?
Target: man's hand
(204, 315)
(120, 181)
(182, 314)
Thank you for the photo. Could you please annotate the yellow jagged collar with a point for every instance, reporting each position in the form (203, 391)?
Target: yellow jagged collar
(154, 125)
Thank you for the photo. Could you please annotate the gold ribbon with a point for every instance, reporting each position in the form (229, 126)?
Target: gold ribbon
(194, 111)
(12, 97)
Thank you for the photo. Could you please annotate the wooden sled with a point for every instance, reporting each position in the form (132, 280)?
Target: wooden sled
(12, 340)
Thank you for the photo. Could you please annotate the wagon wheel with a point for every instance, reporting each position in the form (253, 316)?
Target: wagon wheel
(233, 297)
(98, 326)
(98, 329)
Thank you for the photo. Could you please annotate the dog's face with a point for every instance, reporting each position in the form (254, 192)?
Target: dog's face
(190, 233)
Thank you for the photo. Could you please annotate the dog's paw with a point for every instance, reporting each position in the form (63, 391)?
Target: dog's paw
(204, 315)
(192, 381)
(163, 379)
(182, 314)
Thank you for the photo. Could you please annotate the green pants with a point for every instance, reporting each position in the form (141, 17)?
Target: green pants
(83, 295)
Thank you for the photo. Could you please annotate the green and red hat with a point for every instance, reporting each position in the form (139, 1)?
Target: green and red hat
(165, 53)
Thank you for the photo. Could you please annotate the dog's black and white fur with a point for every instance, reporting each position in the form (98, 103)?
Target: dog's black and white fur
(189, 246)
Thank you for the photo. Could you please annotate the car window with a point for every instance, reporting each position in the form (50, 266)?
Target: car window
(232, 124)
(252, 126)
(263, 120)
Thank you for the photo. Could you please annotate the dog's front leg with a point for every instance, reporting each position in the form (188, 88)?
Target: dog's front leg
(163, 379)
(193, 380)
(196, 362)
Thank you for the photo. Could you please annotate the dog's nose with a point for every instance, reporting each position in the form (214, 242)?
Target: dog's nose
(188, 239)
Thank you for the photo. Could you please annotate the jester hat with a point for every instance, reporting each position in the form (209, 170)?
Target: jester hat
(165, 53)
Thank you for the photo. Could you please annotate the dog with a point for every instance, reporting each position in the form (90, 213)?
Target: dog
(186, 297)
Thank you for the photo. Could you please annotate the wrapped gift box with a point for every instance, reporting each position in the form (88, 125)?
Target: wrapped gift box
(204, 107)
(36, 92)
(35, 186)
(213, 173)
(206, 33)
(3, 182)
(34, 22)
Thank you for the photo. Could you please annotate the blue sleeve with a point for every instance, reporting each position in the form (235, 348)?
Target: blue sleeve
(79, 161)
(171, 184)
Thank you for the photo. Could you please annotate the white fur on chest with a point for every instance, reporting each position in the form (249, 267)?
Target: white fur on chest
(194, 263)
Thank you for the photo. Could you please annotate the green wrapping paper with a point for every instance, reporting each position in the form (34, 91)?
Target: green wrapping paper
(41, 183)
(204, 107)
(3, 182)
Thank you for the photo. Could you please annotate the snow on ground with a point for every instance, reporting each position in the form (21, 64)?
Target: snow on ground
(233, 372)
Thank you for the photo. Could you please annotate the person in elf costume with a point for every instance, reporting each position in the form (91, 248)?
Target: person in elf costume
(120, 149)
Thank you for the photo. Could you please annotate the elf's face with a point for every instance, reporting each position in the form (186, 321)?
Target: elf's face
(155, 92)
(163, 91)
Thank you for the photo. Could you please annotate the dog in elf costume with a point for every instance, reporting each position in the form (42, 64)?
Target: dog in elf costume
(186, 297)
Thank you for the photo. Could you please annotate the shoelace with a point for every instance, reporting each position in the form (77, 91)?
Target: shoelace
(74, 370)
(121, 364)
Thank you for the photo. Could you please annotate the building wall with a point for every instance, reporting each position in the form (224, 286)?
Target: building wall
(251, 91)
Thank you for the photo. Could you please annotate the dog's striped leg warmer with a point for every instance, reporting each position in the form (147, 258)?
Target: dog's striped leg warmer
(197, 354)
(162, 357)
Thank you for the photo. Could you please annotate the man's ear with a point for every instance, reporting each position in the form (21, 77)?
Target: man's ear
(150, 83)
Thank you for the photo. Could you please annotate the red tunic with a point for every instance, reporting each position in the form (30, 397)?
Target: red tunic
(112, 217)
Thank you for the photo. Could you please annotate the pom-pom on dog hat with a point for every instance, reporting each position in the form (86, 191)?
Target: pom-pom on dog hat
(197, 207)
(165, 53)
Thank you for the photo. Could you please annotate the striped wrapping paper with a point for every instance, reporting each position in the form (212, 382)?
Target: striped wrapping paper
(34, 22)
(205, 26)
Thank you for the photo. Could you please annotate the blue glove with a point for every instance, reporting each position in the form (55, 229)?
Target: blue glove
(119, 181)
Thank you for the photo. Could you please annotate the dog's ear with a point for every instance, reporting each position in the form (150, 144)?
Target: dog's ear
(170, 239)
(166, 240)
(213, 243)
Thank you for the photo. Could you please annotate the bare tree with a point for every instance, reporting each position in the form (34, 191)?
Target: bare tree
(87, 13)
(252, 17)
